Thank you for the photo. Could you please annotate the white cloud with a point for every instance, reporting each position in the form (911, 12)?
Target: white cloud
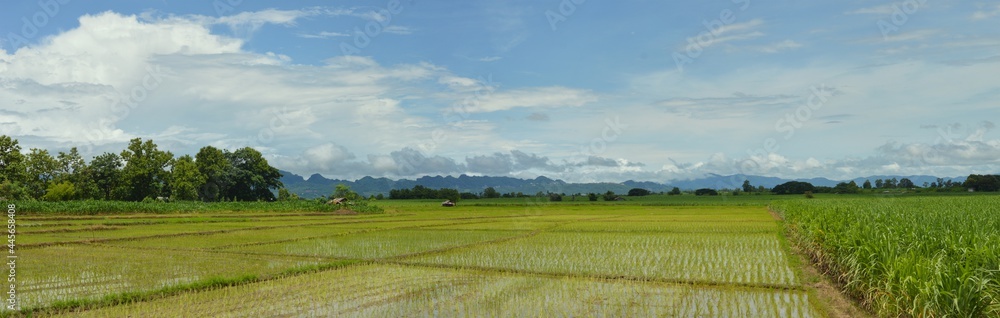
(728, 33)
(986, 14)
(323, 35)
(779, 46)
(544, 97)
(400, 30)
(885, 9)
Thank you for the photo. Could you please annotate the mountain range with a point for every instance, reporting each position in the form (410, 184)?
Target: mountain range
(318, 185)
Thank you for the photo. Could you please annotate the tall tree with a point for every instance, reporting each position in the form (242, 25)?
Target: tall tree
(906, 183)
(252, 177)
(106, 172)
(41, 169)
(892, 184)
(867, 185)
(879, 183)
(145, 170)
(71, 166)
(12, 170)
(491, 193)
(185, 179)
(73, 169)
(11, 160)
(747, 187)
(213, 164)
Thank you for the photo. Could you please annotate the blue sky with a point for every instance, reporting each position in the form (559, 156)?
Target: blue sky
(588, 91)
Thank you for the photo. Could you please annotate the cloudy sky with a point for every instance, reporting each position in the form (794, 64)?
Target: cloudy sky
(588, 91)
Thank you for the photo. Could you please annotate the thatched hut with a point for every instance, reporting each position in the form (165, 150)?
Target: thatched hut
(447, 203)
(337, 201)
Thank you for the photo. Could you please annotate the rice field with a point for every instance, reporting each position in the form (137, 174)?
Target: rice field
(547, 260)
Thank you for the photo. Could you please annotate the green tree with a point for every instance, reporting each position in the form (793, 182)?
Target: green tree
(71, 167)
(491, 193)
(675, 191)
(13, 191)
(906, 183)
(610, 196)
(638, 192)
(74, 169)
(106, 172)
(251, 177)
(185, 179)
(706, 191)
(892, 184)
(846, 187)
(41, 169)
(285, 195)
(794, 187)
(344, 191)
(11, 161)
(145, 171)
(61, 191)
(879, 183)
(982, 183)
(213, 164)
(867, 185)
(592, 196)
(747, 187)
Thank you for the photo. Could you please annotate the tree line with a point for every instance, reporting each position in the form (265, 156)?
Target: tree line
(140, 172)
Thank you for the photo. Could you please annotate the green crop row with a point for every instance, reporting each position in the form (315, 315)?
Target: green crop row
(920, 257)
(403, 291)
(93, 207)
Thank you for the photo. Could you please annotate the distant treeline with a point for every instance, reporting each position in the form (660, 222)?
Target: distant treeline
(980, 183)
(140, 172)
(422, 192)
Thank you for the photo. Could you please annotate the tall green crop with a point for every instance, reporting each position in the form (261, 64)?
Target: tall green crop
(924, 257)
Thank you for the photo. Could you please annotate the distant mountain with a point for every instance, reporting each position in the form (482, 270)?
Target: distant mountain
(317, 185)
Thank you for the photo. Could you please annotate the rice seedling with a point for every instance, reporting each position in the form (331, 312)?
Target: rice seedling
(716, 258)
(404, 291)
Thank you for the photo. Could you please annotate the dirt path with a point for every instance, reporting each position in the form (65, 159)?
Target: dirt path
(834, 302)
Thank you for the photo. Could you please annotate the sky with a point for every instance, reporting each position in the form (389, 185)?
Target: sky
(578, 90)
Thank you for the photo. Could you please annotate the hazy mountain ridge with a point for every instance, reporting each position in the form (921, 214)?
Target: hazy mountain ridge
(317, 185)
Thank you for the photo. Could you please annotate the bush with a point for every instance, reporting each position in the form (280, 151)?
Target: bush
(706, 191)
(637, 192)
(793, 187)
(62, 191)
